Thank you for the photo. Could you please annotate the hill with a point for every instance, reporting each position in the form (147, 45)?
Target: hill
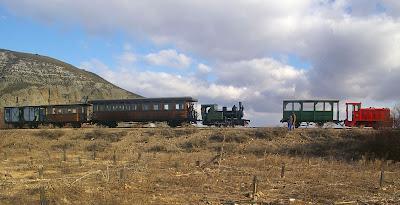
(32, 79)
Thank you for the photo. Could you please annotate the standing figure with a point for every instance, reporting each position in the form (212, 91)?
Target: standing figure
(290, 122)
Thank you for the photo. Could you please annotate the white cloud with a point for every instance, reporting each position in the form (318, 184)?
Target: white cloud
(170, 58)
(203, 69)
(156, 84)
(127, 58)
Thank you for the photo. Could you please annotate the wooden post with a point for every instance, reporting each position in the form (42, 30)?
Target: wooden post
(382, 176)
(122, 174)
(5, 155)
(48, 155)
(283, 170)
(43, 200)
(31, 161)
(108, 174)
(79, 161)
(94, 154)
(64, 153)
(114, 158)
(221, 155)
(254, 188)
(40, 171)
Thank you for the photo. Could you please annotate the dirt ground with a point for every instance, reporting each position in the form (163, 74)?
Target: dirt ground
(199, 166)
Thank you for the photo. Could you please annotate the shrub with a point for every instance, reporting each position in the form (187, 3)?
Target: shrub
(98, 146)
(65, 145)
(255, 149)
(186, 131)
(270, 134)
(238, 138)
(50, 134)
(194, 143)
(105, 135)
(158, 148)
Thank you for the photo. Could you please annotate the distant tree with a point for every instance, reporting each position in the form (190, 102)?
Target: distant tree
(396, 115)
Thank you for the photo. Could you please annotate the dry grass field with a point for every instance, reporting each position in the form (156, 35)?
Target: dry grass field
(199, 166)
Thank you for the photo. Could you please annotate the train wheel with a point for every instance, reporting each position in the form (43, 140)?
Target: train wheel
(112, 124)
(76, 125)
(172, 123)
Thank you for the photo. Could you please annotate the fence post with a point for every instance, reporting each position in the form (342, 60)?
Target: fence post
(221, 155)
(43, 200)
(40, 171)
(283, 170)
(94, 154)
(114, 158)
(382, 176)
(64, 153)
(139, 157)
(254, 188)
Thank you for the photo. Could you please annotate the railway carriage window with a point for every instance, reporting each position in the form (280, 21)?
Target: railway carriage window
(53, 111)
(319, 106)
(74, 111)
(307, 106)
(328, 107)
(155, 107)
(179, 106)
(134, 107)
(166, 106)
(288, 107)
(146, 107)
(69, 110)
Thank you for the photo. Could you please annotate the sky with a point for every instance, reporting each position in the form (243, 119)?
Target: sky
(259, 52)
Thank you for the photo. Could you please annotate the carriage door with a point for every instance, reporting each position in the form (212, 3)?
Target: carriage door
(349, 112)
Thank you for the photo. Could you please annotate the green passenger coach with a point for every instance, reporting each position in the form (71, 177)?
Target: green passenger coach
(317, 111)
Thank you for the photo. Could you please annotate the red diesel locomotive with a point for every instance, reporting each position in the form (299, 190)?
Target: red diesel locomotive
(356, 116)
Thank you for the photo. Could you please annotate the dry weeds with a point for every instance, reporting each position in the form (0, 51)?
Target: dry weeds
(197, 166)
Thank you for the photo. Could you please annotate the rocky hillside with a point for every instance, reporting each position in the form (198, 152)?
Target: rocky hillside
(34, 79)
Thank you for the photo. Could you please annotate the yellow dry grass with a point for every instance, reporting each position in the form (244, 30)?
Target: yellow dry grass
(174, 166)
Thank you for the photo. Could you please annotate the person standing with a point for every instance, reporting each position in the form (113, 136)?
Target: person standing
(293, 120)
(290, 122)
